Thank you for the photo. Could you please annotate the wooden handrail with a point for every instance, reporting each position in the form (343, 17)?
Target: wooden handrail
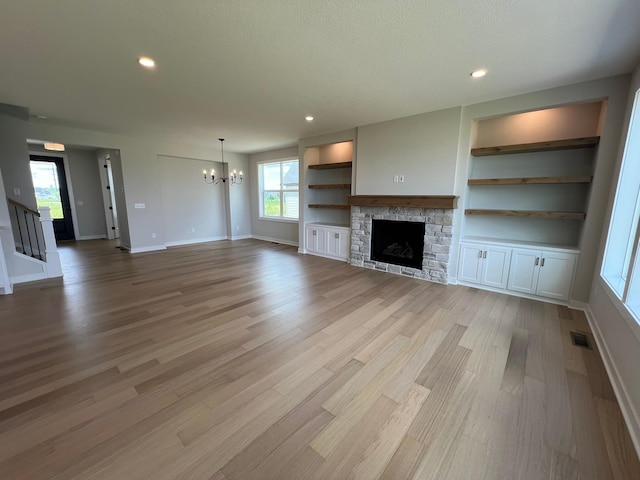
(23, 206)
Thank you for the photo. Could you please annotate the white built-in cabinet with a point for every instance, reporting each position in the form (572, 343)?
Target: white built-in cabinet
(534, 272)
(541, 272)
(484, 264)
(330, 241)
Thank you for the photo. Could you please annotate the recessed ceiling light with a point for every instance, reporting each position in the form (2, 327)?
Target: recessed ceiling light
(309, 118)
(147, 62)
(479, 73)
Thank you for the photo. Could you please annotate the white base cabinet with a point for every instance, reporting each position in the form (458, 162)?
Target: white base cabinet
(327, 240)
(484, 264)
(542, 273)
(535, 272)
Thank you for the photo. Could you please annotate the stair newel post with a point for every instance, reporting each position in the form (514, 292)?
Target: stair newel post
(53, 264)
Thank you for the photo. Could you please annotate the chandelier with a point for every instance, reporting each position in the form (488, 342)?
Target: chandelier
(233, 178)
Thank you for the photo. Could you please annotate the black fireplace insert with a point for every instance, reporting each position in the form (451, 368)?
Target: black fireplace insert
(398, 243)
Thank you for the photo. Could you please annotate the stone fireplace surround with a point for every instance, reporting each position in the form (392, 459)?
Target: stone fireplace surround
(437, 239)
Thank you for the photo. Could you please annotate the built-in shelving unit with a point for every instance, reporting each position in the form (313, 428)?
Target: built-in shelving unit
(571, 143)
(531, 180)
(327, 214)
(330, 166)
(528, 213)
(525, 187)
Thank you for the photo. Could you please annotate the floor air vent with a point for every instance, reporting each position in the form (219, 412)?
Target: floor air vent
(580, 340)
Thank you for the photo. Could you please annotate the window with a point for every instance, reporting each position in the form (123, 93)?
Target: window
(621, 265)
(278, 183)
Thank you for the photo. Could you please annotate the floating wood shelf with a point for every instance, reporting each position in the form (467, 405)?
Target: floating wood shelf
(335, 186)
(529, 213)
(332, 206)
(530, 180)
(412, 201)
(585, 142)
(327, 166)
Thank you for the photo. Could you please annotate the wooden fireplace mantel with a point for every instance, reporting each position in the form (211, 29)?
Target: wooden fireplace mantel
(413, 201)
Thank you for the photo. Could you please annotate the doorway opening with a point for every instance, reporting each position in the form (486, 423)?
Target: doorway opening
(50, 185)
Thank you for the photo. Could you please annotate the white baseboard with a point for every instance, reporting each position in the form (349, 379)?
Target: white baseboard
(91, 237)
(179, 243)
(629, 412)
(240, 237)
(511, 293)
(152, 248)
(275, 240)
(126, 246)
(31, 277)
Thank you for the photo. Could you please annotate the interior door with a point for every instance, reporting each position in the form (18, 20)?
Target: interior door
(50, 185)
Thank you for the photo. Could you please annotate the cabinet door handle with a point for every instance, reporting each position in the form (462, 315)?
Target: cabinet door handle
(537, 261)
(484, 255)
(315, 232)
(479, 253)
(336, 235)
(542, 264)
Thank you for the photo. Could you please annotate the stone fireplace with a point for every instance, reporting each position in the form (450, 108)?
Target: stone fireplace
(433, 260)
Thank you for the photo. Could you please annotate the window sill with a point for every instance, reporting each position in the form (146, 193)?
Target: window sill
(278, 219)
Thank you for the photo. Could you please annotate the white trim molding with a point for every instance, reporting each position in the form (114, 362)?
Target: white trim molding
(628, 409)
(275, 240)
(179, 243)
(151, 248)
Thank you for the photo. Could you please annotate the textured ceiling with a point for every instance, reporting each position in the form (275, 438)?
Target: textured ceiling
(250, 70)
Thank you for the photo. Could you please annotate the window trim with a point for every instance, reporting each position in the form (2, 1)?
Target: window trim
(618, 274)
(261, 191)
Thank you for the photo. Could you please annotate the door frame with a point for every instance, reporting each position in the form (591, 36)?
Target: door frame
(107, 199)
(67, 175)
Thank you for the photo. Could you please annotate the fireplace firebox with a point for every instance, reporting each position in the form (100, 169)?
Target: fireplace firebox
(397, 242)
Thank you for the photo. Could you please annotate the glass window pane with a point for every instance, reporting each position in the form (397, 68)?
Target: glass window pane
(271, 176)
(290, 175)
(47, 188)
(291, 202)
(271, 204)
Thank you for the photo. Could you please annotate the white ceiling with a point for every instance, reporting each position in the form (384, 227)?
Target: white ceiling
(250, 70)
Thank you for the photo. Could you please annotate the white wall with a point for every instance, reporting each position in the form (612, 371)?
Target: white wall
(423, 148)
(239, 203)
(14, 160)
(618, 332)
(192, 210)
(274, 230)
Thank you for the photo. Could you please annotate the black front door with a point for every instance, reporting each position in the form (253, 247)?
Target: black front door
(50, 184)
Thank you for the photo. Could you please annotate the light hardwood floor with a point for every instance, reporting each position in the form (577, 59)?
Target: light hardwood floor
(245, 360)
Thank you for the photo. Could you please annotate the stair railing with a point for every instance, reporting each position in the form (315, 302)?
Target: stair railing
(27, 230)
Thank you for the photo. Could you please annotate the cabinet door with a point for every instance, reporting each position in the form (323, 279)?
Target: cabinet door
(314, 239)
(495, 270)
(525, 267)
(338, 243)
(470, 268)
(556, 274)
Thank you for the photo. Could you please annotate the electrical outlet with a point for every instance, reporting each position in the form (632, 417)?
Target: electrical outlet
(237, 227)
(193, 230)
(153, 235)
(139, 205)
(80, 202)
(16, 191)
